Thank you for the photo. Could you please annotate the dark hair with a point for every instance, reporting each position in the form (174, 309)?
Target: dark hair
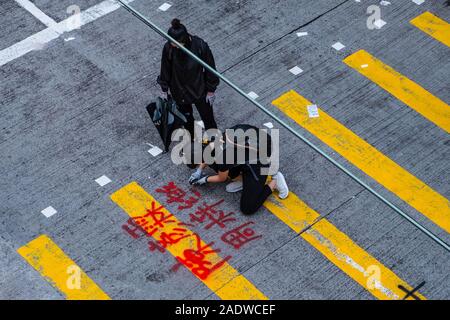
(178, 31)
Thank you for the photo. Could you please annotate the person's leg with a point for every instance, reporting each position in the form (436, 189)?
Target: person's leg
(206, 113)
(187, 110)
(254, 192)
(236, 184)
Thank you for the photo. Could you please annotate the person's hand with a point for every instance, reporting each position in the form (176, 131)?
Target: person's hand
(164, 94)
(210, 97)
(201, 181)
(197, 175)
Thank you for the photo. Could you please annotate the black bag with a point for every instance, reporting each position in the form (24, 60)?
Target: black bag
(167, 118)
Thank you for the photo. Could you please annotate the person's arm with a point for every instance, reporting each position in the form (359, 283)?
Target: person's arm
(212, 81)
(218, 178)
(166, 69)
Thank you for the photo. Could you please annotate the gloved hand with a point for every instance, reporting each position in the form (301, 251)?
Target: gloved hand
(210, 98)
(198, 174)
(200, 181)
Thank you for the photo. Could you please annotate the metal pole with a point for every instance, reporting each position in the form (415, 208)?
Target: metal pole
(286, 126)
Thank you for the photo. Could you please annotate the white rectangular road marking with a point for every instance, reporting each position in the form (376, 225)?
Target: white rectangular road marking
(49, 211)
(38, 40)
(165, 6)
(253, 95)
(103, 181)
(155, 151)
(296, 70)
(35, 11)
(313, 111)
(338, 46)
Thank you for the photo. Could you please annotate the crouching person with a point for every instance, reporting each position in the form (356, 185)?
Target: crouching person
(242, 154)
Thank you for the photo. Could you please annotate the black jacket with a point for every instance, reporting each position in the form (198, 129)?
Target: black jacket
(187, 79)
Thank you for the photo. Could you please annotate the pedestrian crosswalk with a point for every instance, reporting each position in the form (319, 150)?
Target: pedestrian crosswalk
(368, 159)
(60, 270)
(225, 281)
(407, 91)
(433, 26)
(44, 255)
(338, 248)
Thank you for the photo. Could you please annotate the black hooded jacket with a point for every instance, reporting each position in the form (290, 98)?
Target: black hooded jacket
(187, 79)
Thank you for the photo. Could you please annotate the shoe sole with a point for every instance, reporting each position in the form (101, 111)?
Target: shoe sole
(233, 190)
(284, 180)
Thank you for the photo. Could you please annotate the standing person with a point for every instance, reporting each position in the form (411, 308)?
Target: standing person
(187, 81)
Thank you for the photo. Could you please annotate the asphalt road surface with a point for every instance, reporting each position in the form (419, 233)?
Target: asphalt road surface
(75, 77)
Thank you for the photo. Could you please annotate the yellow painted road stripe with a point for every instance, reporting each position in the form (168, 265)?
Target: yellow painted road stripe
(339, 248)
(226, 282)
(433, 26)
(368, 159)
(61, 271)
(407, 91)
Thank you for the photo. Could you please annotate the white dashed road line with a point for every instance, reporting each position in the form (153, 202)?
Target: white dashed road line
(165, 6)
(253, 95)
(338, 46)
(296, 70)
(103, 181)
(49, 211)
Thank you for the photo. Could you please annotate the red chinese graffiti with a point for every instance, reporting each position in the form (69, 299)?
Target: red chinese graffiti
(195, 259)
(213, 215)
(165, 230)
(134, 230)
(240, 236)
(154, 219)
(175, 194)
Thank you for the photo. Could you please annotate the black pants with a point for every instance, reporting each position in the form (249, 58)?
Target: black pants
(254, 192)
(206, 114)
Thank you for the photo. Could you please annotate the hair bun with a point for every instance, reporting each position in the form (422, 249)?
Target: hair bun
(176, 24)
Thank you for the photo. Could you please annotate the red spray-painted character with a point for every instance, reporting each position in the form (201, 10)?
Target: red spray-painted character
(154, 219)
(240, 236)
(212, 214)
(168, 238)
(134, 230)
(175, 194)
(196, 259)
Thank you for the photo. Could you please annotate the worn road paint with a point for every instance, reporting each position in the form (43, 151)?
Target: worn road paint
(36, 12)
(433, 26)
(225, 282)
(338, 247)
(38, 40)
(407, 91)
(57, 268)
(368, 159)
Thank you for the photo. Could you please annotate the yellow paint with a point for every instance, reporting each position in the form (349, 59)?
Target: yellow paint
(338, 248)
(407, 91)
(368, 159)
(57, 268)
(433, 26)
(226, 282)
